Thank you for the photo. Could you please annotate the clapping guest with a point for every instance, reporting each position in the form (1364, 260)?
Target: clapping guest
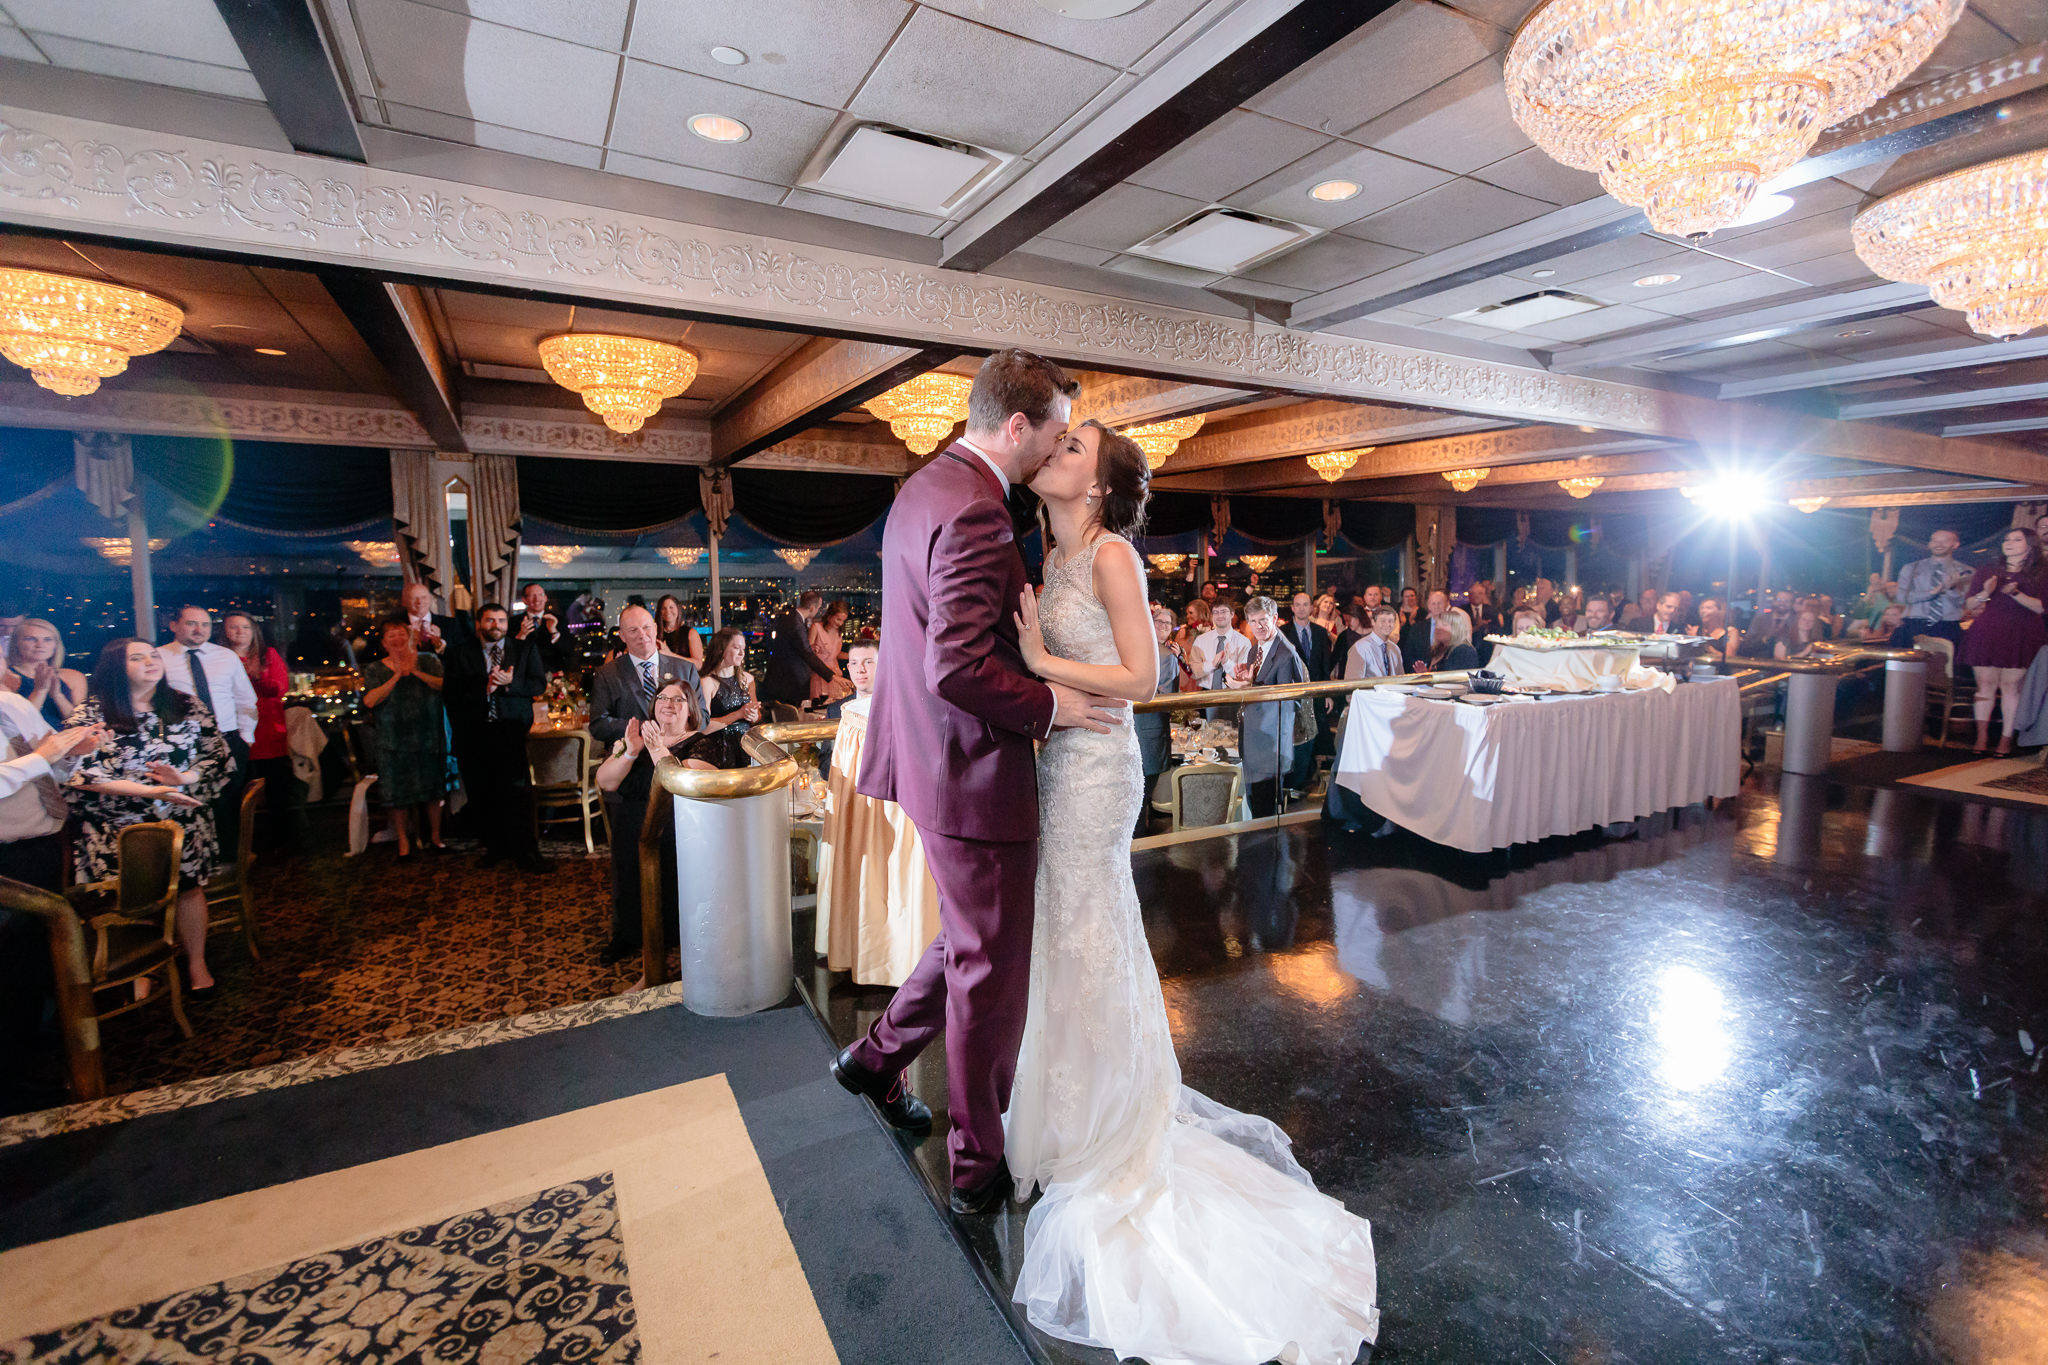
(269, 758)
(626, 778)
(1220, 649)
(730, 704)
(1598, 616)
(677, 636)
(541, 630)
(1266, 730)
(1411, 607)
(1195, 622)
(1724, 640)
(825, 644)
(404, 692)
(492, 684)
(432, 631)
(35, 670)
(1377, 654)
(1153, 728)
(200, 668)
(164, 759)
(2006, 598)
(1453, 647)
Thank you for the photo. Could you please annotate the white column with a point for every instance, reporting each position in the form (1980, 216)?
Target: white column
(139, 576)
(717, 607)
(1308, 567)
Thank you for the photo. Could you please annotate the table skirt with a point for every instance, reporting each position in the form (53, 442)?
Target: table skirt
(878, 908)
(1479, 778)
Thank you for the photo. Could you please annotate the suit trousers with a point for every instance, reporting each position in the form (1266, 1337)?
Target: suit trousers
(227, 807)
(500, 785)
(973, 982)
(625, 818)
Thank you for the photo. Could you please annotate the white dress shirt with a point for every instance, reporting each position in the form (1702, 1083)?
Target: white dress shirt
(234, 700)
(1219, 649)
(32, 815)
(989, 460)
(1373, 657)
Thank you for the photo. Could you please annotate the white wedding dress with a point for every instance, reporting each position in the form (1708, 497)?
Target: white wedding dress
(1171, 1228)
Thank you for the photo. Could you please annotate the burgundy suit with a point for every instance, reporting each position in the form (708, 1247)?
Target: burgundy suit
(950, 740)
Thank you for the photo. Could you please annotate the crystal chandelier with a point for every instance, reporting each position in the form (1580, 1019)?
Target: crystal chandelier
(1809, 505)
(682, 556)
(71, 333)
(117, 548)
(378, 554)
(797, 559)
(1977, 237)
(1159, 439)
(1582, 486)
(923, 412)
(555, 556)
(1686, 107)
(1465, 480)
(1335, 464)
(1256, 563)
(1167, 564)
(622, 379)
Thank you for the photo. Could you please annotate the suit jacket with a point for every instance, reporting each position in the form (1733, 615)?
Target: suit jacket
(955, 713)
(1153, 728)
(464, 691)
(616, 696)
(790, 660)
(1317, 657)
(1266, 731)
(552, 648)
(1415, 643)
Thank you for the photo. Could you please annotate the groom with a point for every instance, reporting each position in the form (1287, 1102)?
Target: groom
(950, 740)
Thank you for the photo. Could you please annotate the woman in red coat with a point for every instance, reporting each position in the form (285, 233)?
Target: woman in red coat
(269, 758)
(2006, 633)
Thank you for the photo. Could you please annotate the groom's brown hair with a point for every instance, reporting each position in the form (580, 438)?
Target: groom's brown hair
(1016, 381)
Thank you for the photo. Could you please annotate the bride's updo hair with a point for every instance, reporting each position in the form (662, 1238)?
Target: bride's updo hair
(1125, 480)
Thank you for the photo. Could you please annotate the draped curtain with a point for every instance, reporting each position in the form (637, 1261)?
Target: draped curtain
(494, 527)
(1376, 525)
(810, 508)
(419, 517)
(606, 495)
(1277, 521)
(1176, 514)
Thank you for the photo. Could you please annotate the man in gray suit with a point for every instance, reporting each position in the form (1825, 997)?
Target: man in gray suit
(624, 690)
(1266, 731)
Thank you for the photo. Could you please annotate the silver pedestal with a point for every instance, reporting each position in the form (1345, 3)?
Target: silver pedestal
(1809, 722)
(1905, 705)
(732, 875)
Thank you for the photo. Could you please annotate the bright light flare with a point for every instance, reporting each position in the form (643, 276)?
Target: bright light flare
(1731, 495)
(1692, 1032)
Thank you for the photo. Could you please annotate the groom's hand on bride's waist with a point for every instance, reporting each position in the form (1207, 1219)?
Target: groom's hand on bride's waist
(1075, 710)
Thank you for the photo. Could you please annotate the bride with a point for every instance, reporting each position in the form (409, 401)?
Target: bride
(1171, 1227)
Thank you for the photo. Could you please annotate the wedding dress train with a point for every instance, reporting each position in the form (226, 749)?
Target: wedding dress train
(1171, 1227)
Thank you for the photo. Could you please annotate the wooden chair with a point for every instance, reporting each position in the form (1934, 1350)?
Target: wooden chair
(231, 898)
(136, 938)
(1946, 693)
(72, 972)
(563, 768)
(1205, 794)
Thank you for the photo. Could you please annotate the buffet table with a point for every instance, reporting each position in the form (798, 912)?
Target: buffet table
(1480, 778)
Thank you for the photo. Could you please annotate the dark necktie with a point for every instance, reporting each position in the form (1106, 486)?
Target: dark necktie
(648, 685)
(494, 652)
(1258, 655)
(199, 685)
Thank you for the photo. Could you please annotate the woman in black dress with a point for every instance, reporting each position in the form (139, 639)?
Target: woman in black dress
(729, 702)
(2006, 631)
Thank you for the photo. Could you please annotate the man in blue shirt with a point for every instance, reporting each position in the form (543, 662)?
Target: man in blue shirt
(1932, 591)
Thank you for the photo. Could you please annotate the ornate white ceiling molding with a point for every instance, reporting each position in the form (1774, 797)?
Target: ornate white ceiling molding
(678, 441)
(141, 412)
(79, 175)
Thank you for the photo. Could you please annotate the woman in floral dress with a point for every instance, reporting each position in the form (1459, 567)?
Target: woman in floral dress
(164, 760)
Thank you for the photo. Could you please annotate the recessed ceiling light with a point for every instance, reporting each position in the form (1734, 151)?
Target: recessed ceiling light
(728, 56)
(1334, 191)
(719, 128)
(268, 350)
(1545, 273)
(1854, 332)
(1652, 281)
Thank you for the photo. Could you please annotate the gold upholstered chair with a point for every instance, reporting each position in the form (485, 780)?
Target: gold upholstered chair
(133, 919)
(230, 897)
(1204, 794)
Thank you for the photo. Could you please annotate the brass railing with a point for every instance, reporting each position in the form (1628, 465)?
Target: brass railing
(76, 1021)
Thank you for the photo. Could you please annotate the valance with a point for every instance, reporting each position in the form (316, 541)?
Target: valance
(1378, 525)
(810, 508)
(1277, 521)
(606, 495)
(270, 485)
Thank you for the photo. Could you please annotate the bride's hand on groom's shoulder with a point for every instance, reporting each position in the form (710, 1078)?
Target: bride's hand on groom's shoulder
(1030, 639)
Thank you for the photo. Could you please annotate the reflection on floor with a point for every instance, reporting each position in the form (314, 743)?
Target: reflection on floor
(1761, 1083)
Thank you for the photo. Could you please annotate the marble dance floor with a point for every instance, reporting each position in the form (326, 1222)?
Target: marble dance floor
(1756, 1084)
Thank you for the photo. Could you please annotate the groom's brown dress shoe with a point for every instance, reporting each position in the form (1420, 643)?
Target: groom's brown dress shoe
(986, 1198)
(901, 1108)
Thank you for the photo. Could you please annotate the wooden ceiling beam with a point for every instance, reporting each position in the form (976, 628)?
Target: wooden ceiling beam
(1305, 428)
(822, 378)
(280, 39)
(393, 322)
(1288, 470)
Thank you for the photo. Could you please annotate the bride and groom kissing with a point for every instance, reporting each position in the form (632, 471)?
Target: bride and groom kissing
(1170, 1227)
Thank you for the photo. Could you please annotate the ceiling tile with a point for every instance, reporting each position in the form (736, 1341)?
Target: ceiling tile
(1725, 293)
(2025, 20)
(1448, 215)
(1506, 14)
(1165, 271)
(1619, 254)
(1532, 172)
(1844, 267)
(1394, 58)
(1870, 334)
(1226, 156)
(1693, 268)
(593, 23)
(1735, 360)
(1383, 181)
(1601, 322)
(693, 178)
(876, 215)
(14, 43)
(925, 81)
(1067, 251)
(656, 104)
(1783, 246)
(1971, 41)
(1459, 299)
(432, 59)
(188, 29)
(503, 311)
(1460, 125)
(1119, 42)
(451, 128)
(813, 50)
(1122, 217)
(101, 60)
(1328, 262)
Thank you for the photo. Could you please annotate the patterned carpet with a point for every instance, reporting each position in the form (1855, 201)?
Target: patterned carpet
(368, 949)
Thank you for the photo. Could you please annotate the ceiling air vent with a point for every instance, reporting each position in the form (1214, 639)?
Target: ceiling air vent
(1512, 315)
(905, 169)
(1223, 241)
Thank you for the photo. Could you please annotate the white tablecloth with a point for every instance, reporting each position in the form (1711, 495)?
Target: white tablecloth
(1575, 670)
(1479, 778)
